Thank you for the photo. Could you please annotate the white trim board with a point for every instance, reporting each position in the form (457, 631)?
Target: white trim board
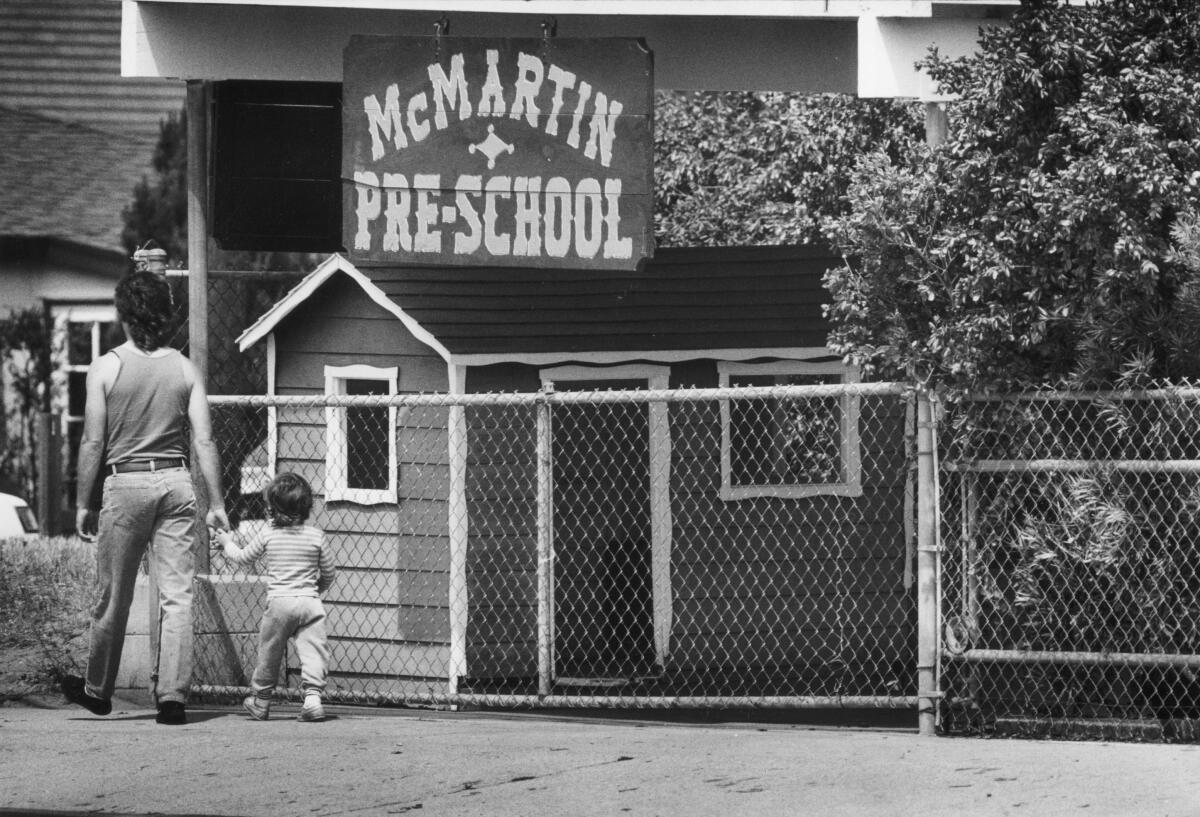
(303, 290)
(608, 358)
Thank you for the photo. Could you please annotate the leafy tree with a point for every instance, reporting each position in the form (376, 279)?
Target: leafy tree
(1035, 244)
(158, 211)
(765, 168)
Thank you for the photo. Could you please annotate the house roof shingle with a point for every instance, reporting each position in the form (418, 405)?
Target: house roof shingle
(66, 181)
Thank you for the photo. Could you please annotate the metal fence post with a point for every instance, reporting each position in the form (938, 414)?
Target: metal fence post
(927, 563)
(545, 542)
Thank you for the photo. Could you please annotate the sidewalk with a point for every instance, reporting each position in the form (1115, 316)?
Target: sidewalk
(366, 761)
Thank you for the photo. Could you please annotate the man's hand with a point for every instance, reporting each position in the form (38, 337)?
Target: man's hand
(216, 518)
(85, 524)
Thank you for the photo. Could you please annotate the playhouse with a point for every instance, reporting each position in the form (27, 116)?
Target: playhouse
(651, 539)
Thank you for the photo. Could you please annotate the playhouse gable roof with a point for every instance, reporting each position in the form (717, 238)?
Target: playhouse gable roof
(310, 284)
(684, 303)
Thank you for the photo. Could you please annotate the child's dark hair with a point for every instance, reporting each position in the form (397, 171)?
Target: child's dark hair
(289, 500)
(144, 303)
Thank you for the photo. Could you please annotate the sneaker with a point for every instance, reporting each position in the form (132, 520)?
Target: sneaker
(73, 688)
(312, 710)
(171, 713)
(258, 708)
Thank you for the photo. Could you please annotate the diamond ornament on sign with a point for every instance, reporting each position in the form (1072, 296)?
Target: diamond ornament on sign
(491, 147)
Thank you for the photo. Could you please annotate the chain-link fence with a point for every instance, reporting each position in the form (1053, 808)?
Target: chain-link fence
(701, 547)
(1070, 590)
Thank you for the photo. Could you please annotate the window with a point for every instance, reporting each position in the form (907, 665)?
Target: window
(789, 447)
(82, 334)
(360, 458)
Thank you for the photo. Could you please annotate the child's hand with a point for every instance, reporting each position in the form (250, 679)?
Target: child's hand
(220, 539)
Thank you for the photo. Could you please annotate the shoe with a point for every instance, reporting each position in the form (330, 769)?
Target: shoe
(73, 688)
(312, 711)
(171, 713)
(259, 709)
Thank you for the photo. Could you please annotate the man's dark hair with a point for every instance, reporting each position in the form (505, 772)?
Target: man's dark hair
(289, 500)
(145, 305)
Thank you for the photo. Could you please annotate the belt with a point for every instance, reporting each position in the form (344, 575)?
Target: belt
(134, 466)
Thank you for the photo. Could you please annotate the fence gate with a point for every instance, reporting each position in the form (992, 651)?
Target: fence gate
(1070, 592)
(745, 546)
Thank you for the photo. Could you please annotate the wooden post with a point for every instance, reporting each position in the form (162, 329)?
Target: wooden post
(545, 545)
(927, 564)
(197, 241)
(49, 474)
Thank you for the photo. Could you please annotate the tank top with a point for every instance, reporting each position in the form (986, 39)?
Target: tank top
(147, 408)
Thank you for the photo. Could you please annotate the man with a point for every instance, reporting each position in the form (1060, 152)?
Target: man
(142, 398)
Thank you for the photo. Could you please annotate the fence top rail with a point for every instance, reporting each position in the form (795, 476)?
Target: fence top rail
(985, 466)
(1172, 393)
(564, 397)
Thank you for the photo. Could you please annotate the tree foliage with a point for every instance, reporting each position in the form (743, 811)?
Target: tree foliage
(1040, 243)
(25, 357)
(158, 211)
(765, 168)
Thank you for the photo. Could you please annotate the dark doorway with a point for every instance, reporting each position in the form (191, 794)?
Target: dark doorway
(602, 568)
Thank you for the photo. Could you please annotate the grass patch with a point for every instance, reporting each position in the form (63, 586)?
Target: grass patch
(46, 588)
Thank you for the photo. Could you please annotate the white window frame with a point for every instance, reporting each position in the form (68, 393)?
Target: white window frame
(851, 455)
(64, 315)
(336, 454)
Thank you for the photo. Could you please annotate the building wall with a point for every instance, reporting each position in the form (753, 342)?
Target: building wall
(389, 609)
(765, 581)
(63, 60)
(759, 582)
(502, 509)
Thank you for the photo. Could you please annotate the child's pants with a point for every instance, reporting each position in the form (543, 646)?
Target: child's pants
(287, 616)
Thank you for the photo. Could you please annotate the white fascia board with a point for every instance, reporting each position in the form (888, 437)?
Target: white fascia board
(820, 9)
(889, 47)
(283, 307)
(655, 355)
(312, 282)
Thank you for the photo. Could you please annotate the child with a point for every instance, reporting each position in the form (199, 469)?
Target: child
(300, 569)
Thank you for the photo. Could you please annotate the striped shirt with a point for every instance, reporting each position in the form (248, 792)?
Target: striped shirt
(298, 563)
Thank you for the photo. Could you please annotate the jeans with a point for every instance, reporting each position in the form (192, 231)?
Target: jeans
(155, 510)
(287, 616)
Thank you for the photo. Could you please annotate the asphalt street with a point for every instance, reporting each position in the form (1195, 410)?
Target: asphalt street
(368, 761)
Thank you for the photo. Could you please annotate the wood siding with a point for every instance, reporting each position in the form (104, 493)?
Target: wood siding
(389, 608)
(502, 549)
(62, 59)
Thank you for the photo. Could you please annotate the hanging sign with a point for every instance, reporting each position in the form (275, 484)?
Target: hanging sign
(497, 152)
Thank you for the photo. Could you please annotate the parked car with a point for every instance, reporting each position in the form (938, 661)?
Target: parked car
(17, 519)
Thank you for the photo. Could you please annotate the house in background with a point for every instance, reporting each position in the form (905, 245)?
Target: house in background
(650, 500)
(75, 138)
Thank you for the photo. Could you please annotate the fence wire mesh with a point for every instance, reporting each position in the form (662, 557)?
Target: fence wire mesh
(1070, 600)
(702, 547)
